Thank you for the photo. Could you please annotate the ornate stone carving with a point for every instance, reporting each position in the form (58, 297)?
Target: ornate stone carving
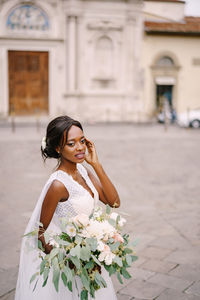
(104, 58)
(28, 17)
(104, 26)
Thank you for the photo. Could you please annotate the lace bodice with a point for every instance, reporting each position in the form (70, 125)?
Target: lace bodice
(80, 200)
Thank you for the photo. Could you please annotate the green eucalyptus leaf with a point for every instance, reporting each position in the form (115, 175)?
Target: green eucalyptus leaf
(118, 261)
(134, 258)
(40, 246)
(68, 273)
(60, 256)
(85, 282)
(129, 259)
(44, 282)
(119, 278)
(107, 267)
(56, 272)
(53, 253)
(96, 260)
(92, 290)
(112, 222)
(112, 270)
(64, 278)
(125, 273)
(31, 233)
(92, 242)
(46, 237)
(84, 295)
(61, 241)
(85, 273)
(46, 274)
(135, 242)
(100, 279)
(78, 239)
(118, 218)
(128, 251)
(64, 236)
(69, 285)
(33, 277)
(89, 265)
(76, 251)
(42, 266)
(35, 285)
(76, 262)
(108, 209)
(114, 246)
(111, 240)
(85, 253)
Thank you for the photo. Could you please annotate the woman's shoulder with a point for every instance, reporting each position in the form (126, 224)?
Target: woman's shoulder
(57, 179)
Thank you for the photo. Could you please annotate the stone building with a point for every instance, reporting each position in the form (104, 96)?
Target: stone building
(80, 57)
(97, 60)
(170, 56)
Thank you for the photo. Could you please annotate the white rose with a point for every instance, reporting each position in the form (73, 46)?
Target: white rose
(100, 246)
(114, 216)
(106, 256)
(98, 212)
(107, 229)
(121, 222)
(82, 219)
(53, 243)
(109, 258)
(94, 229)
(44, 143)
(70, 230)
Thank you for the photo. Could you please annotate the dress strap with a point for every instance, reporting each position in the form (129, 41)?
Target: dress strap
(84, 174)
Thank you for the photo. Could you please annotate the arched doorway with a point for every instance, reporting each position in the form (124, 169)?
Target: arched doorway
(27, 69)
(165, 78)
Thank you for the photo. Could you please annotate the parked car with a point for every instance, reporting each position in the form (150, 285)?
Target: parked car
(190, 118)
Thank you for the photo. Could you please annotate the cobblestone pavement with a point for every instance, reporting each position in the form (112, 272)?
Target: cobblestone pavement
(157, 174)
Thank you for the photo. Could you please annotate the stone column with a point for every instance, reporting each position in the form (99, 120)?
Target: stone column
(72, 51)
(131, 54)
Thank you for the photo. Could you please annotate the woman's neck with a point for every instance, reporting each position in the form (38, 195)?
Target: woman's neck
(68, 167)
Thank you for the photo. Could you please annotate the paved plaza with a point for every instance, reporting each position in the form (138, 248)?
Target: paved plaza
(157, 174)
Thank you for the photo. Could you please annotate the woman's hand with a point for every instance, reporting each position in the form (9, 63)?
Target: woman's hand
(105, 188)
(91, 157)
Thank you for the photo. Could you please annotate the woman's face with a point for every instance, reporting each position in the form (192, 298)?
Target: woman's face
(75, 147)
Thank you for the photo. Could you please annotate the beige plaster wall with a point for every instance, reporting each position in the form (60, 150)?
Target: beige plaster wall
(183, 50)
(163, 10)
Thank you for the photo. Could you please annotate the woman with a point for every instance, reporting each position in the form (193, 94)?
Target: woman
(70, 190)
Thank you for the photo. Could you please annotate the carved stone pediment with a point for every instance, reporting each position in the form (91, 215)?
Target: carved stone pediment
(105, 25)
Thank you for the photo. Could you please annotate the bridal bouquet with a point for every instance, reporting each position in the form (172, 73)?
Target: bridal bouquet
(86, 244)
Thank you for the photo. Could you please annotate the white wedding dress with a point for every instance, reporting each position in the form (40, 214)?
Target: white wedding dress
(79, 201)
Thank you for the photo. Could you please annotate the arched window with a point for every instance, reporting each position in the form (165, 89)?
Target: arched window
(104, 57)
(165, 61)
(27, 17)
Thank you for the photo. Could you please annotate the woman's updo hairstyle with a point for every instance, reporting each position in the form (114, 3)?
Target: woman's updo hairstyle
(56, 135)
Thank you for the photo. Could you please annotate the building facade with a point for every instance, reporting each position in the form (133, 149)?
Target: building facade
(170, 57)
(76, 57)
(97, 60)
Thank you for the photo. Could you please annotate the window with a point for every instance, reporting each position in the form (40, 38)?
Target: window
(165, 61)
(27, 17)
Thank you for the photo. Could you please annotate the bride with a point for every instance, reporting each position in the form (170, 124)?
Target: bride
(70, 190)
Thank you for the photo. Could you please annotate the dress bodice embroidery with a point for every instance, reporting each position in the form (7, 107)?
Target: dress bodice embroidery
(80, 200)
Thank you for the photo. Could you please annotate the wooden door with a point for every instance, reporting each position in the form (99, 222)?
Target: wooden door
(28, 82)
